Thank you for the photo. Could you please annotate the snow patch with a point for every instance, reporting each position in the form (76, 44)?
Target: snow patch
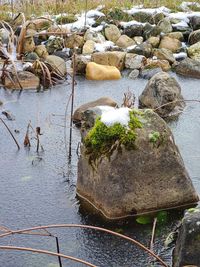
(180, 55)
(120, 115)
(104, 46)
(151, 11)
(131, 23)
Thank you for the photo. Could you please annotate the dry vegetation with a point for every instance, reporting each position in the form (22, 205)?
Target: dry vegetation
(39, 7)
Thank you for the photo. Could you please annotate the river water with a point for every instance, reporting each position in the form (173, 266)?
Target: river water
(39, 188)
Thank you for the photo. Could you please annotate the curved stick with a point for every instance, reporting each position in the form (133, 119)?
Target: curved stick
(48, 253)
(137, 243)
(10, 133)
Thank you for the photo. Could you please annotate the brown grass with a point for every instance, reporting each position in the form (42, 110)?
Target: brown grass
(39, 7)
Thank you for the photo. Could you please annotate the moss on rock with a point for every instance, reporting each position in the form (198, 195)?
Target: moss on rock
(101, 139)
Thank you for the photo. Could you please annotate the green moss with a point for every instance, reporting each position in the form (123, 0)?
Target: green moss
(66, 19)
(154, 137)
(102, 140)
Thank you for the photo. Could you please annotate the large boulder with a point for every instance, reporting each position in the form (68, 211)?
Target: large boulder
(187, 249)
(195, 22)
(189, 68)
(112, 33)
(163, 94)
(135, 170)
(114, 58)
(57, 63)
(103, 101)
(194, 51)
(99, 72)
(171, 44)
(24, 80)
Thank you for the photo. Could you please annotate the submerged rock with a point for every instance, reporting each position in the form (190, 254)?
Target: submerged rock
(98, 72)
(25, 80)
(162, 91)
(189, 68)
(187, 249)
(141, 172)
(103, 101)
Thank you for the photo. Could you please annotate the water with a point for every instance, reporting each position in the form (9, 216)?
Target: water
(39, 189)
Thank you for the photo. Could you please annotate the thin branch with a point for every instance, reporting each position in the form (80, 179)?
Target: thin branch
(153, 234)
(10, 133)
(47, 253)
(137, 243)
(177, 101)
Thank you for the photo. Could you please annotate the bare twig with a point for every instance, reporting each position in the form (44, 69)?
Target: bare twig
(47, 253)
(177, 101)
(153, 234)
(72, 106)
(10, 133)
(137, 243)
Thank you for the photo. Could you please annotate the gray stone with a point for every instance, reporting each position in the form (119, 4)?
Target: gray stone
(81, 63)
(162, 90)
(195, 22)
(149, 73)
(144, 49)
(194, 37)
(165, 25)
(164, 54)
(54, 44)
(187, 249)
(135, 181)
(133, 30)
(57, 63)
(150, 30)
(189, 68)
(134, 74)
(94, 36)
(133, 61)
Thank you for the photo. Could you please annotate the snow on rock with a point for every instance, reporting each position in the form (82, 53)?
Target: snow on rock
(180, 55)
(104, 46)
(185, 6)
(131, 23)
(152, 11)
(112, 116)
(94, 13)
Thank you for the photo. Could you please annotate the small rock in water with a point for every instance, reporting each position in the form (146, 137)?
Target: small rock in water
(8, 115)
(163, 94)
(134, 74)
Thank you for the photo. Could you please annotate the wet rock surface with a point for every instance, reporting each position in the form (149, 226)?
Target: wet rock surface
(187, 249)
(123, 184)
(163, 94)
